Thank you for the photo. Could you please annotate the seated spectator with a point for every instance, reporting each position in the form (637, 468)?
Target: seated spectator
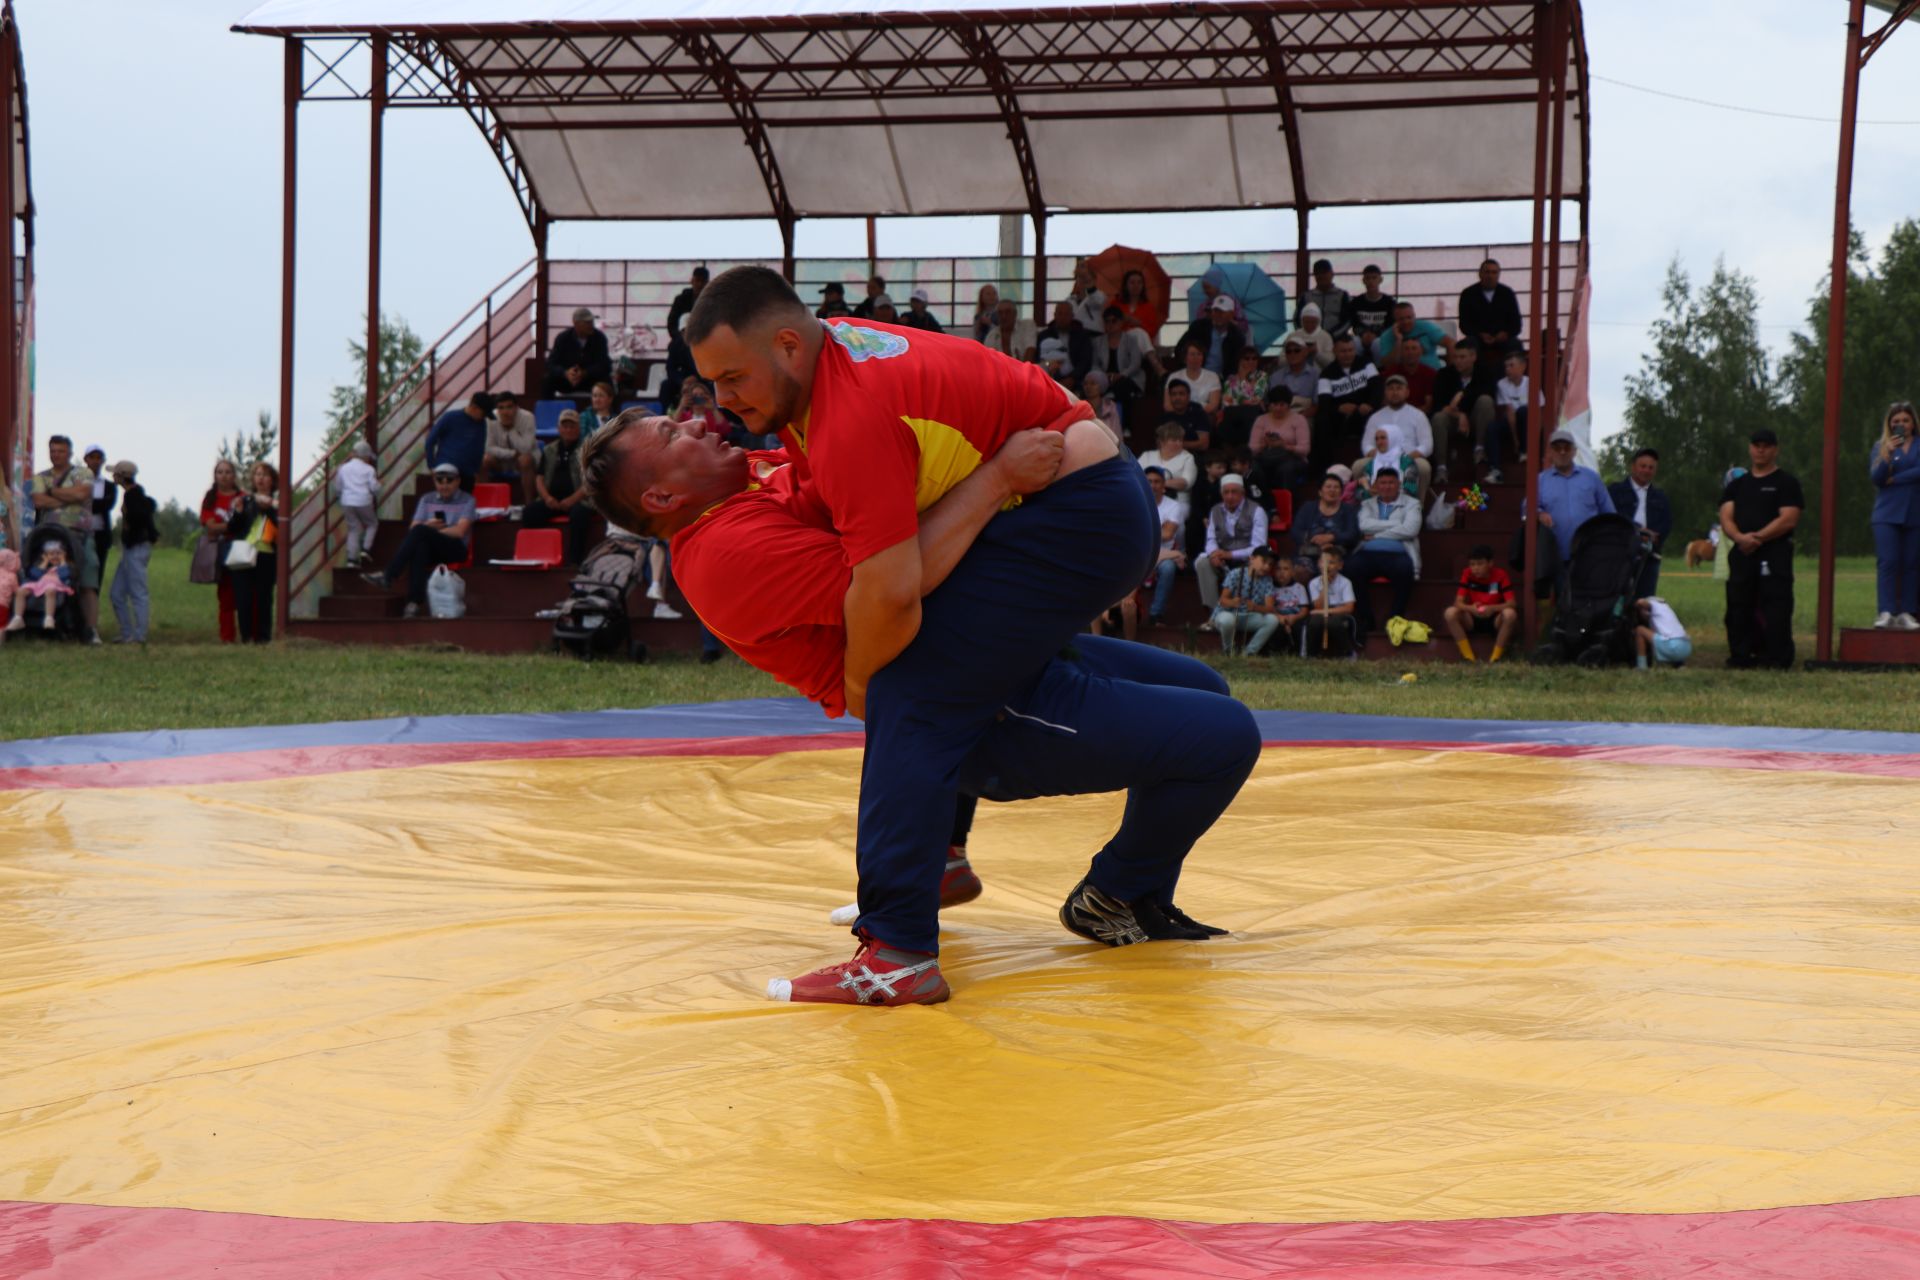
(1213, 287)
(880, 307)
(1218, 336)
(138, 534)
(1093, 389)
(1328, 521)
(1463, 404)
(1389, 548)
(1141, 312)
(1333, 302)
(1125, 615)
(560, 496)
(1088, 299)
(1386, 453)
(1280, 441)
(41, 588)
(1893, 469)
(1172, 556)
(1349, 391)
(1012, 334)
(1191, 417)
(1570, 494)
(1203, 385)
(1370, 312)
(1416, 434)
(1248, 384)
(1240, 463)
(1406, 362)
(833, 301)
(1510, 397)
(1064, 351)
(986, 312)
(441, 533)
(356, 487)
(1179, 466)
(1659, 640)
(601, 409)
(876, 290)
(511, 446)
(1298, 373)
(579, 358)
(1246, 605)
(1235, 527)
(832, 309)
(1433, 340)
(1490, 314)
(459, 436)
(1204, 497)
(918, 317)
(1484, 602)
(1331, 629)
(1317, 338)
(1123, 352)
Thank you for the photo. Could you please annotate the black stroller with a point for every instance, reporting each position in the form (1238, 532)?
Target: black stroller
(68, 624)
(593, 619)
(1593, 616)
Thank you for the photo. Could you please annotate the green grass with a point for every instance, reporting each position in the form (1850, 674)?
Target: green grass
(183, 680)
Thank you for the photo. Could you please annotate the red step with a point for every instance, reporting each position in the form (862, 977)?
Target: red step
(1881, 648)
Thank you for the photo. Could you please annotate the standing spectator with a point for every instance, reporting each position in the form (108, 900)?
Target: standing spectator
(101, 512)
(1123, 352)
(1406, 361)
(1137, 308)
(215, 508)
(1280, 441)
(1247, 385)
(1317, 338)
(579, 358)
(1369, 313)
(1012, 333)
(1203, 385)
(256, 519)
(63, 495)
(356, 487)
(1349, 391)
(441, 533)
(1094, 390)
(986, 312)
(1235, 527)
(1219, 338)
(833, 300)
(679, 357)
(600, 410)
(1331, 630)
(1758, 513)
(138, 533)
(1435, 345)
(1490, 313)
(918, 317)
(1484, 602)
(559, 496)
(1175, 463)
(1330, 521)
(682, 303)
(1659, 635)
(1334, 303)
(1064, 351)
(1416, 434)
(511, 446)
(1389, 548)
(1088, 299)
(1464, 405)
(1570, 494)
(459, 436)
(1172, 556)
(876, 290)
(1191, 417)
(1298, 373)
(1894, 469)
(1637, 496)
(1247, 606)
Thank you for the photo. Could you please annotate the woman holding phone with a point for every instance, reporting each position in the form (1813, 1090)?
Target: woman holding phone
(1894, 468)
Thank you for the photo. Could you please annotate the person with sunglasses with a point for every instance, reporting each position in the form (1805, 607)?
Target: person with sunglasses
(442, 533)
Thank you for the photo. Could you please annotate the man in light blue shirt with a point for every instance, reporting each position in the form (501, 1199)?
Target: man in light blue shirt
(1570, 495)
(1435, 345)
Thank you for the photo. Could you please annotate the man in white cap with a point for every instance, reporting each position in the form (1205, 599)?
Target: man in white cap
(1234, 528)
(1217, 336)
(918, 317)
(579, 358)
(883, 309)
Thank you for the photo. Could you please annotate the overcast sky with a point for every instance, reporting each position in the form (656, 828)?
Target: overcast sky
(156, 172)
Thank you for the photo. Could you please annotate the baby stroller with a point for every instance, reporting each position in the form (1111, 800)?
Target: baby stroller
(593, 619)
(67, 622)
(1593, 617)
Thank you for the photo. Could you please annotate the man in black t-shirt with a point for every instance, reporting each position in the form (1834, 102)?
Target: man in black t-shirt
(1758, 512)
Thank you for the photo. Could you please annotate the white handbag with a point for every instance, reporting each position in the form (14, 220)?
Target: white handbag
(242, 554)
(446, 593)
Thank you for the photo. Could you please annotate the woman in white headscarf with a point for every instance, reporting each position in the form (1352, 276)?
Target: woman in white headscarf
(1388, 452)
(1313, 335)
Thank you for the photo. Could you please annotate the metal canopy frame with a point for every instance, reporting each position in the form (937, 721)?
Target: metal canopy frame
(16, 198)
(1006, 68)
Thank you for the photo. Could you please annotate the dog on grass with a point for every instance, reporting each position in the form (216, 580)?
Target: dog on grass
(1699, 552)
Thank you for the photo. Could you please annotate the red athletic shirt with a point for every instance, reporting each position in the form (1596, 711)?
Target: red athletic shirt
(899, 416)
(1495, 588)
(765, 572)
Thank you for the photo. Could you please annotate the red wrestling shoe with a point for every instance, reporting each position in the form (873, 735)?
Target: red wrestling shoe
(877, 974)
(959, 884)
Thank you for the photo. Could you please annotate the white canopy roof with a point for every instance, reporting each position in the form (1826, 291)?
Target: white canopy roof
(624, 109)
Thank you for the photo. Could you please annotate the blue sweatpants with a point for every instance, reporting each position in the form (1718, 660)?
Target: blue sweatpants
(1032, 580)
(1115, 716)
(1897, 567)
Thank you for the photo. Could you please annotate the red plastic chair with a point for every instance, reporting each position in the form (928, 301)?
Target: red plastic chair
(540, 547)
(497, 496)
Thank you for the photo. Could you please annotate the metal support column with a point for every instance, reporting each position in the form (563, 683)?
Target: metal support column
(1554, 357)
(12, 366)
(289, 170)
(375, 163)
(873, 246)
(1837, 330)
(1039, 269)
(786, 249)
(1301, 257)
(542, 299)
(1541, 117)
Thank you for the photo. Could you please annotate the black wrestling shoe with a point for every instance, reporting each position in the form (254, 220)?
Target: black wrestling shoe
(1176, 916)
(1099, 918)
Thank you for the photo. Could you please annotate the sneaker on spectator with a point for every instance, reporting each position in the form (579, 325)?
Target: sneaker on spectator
(93, 637)
(375, 578)
(1883, 622)
(1906, 622)
(957, 885)
(666, 612)
(411, 611)
(1100, 918)
(1493, 476)
(877, 975)
(656, 591)
(1479, 455)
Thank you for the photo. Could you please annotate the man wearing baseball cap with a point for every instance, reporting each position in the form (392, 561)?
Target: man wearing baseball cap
(1218, 337)
(1758, 512)
(579, 358)
(441, 533)
(918, 317)
(1570, 494)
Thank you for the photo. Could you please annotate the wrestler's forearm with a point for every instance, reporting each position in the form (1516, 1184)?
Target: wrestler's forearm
(882, 612)
(949, 526)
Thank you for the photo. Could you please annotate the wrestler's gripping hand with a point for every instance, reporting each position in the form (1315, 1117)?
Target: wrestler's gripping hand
(1029, 460)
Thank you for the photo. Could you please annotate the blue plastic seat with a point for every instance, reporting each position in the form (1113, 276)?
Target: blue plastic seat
(546, 418)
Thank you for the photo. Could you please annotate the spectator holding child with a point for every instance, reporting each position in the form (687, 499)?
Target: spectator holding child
(1894, 469)
(1484, 602)
(138, 534)
(356, 486)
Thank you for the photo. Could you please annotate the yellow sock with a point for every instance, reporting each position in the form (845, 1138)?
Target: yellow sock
(1466, 649)
(1497, 651)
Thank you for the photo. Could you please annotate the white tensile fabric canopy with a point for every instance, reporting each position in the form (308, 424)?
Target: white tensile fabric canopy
(621, 109)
